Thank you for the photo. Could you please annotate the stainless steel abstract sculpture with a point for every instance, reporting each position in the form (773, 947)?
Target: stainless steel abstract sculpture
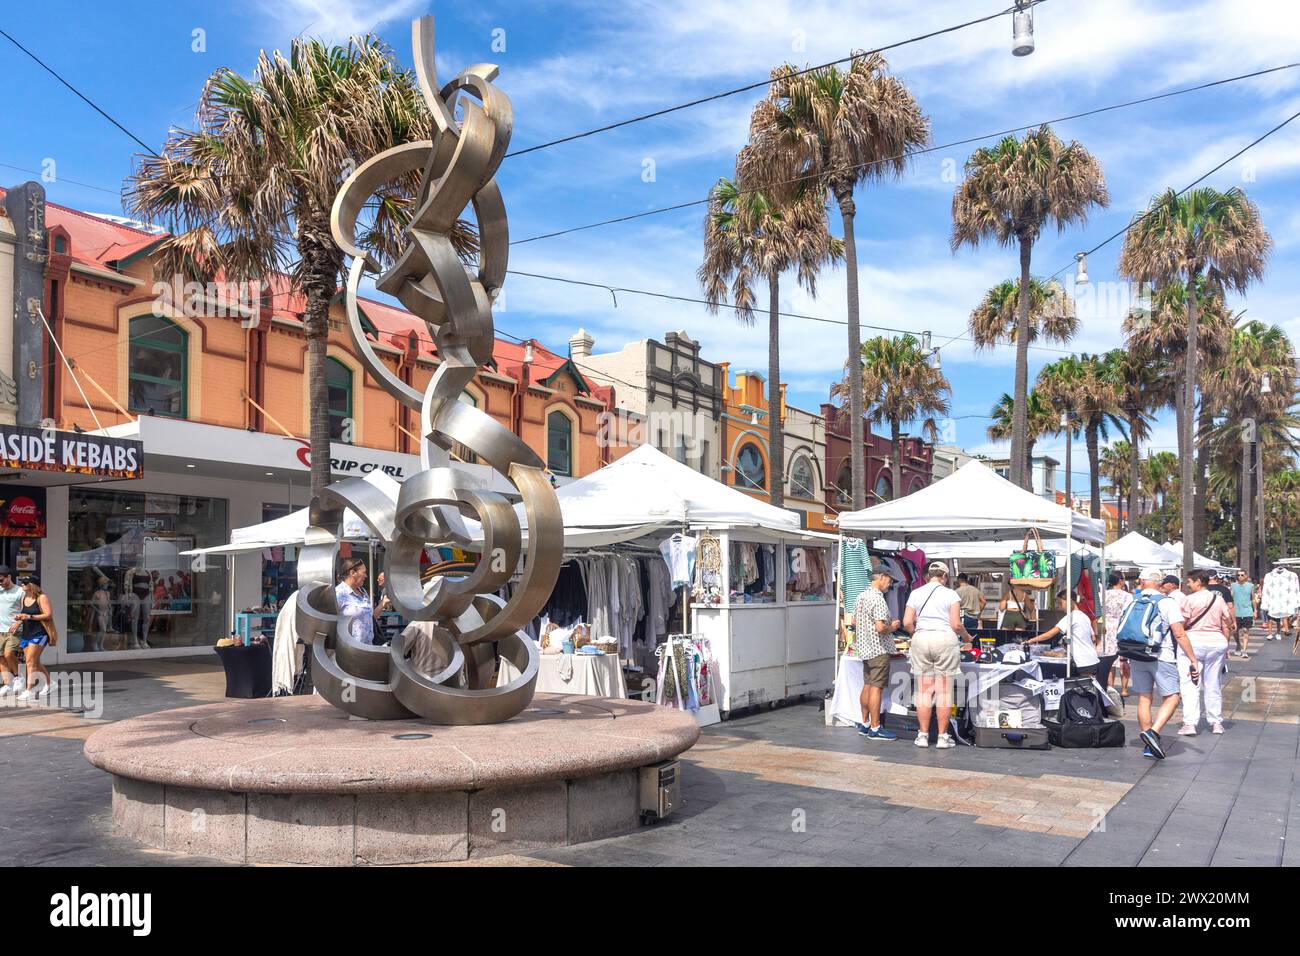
(462, 617)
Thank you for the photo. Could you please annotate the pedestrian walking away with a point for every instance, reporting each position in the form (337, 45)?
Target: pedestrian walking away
(1150, 634)
(1210, 624)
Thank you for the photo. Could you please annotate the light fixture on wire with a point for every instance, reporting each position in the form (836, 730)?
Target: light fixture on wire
(1081, 272)
(1022, 29)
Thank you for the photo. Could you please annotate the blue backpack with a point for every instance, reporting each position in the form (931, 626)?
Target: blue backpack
(1142, 631)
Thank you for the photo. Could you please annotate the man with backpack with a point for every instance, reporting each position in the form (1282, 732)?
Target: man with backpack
(1150, 634)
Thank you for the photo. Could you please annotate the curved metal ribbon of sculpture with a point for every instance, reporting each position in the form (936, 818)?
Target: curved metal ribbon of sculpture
(461, 616)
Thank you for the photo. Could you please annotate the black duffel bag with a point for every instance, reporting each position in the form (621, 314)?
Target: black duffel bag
(1081, 719)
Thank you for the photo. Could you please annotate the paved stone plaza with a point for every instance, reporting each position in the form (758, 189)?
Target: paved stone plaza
(781, 788)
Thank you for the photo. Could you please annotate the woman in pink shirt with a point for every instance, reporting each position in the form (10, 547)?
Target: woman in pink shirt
(1210, 624)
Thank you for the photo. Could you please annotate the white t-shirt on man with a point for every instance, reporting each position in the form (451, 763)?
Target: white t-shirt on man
(1082, 651)
(932, 602)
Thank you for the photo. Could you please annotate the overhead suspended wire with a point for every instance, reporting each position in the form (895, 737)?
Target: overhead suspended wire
(1193, 184)
(82, 96)
(765, 82)
(1127, 104)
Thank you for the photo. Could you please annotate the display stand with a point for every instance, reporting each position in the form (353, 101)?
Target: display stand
(707, 713)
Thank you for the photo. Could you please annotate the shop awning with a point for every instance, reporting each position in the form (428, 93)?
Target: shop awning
(974, 503)
(1140, 551)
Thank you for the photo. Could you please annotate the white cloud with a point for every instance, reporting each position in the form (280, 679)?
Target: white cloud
(336, 20)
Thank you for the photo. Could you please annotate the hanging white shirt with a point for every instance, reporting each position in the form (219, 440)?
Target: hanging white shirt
(679, 554)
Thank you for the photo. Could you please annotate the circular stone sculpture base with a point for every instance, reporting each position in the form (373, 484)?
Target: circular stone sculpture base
(294, 780)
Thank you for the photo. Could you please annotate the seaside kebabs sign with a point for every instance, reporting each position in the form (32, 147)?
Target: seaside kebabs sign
(37, 449)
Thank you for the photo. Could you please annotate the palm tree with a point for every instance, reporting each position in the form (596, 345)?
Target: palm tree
(249, 191)
(1051, 314)
(900, 385)
(1011, 191)
(1140, 387)
(1199, 233)
(1043, 418)
(1160, 331)
(1159, 477)
(1282, 501)
(746, 236)
(1115, 466)
(1256, 353)
(843, 128)
(1083, 387)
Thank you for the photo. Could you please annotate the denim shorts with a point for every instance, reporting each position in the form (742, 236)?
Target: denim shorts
(1144, 675)
(42, 641)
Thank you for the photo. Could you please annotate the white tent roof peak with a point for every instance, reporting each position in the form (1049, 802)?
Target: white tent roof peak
(645, 485)
(974, 503)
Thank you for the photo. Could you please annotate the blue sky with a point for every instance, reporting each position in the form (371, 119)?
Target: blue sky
(573, 66)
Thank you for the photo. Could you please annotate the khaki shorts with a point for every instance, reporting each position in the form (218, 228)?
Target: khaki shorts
(9, 643)
(875, 672)
(935, 654)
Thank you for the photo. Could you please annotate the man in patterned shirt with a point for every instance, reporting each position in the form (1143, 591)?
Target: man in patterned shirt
(872, 644)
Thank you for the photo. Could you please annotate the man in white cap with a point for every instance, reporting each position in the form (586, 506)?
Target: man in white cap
(1162, 672)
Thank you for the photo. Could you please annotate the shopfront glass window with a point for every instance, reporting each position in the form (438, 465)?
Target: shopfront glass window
(753, 573)
(807, 574)
(129, 588)
(559, 443)
(801, 478)
(884, 489)
(338, 380)
(157, 364)
(750, 472)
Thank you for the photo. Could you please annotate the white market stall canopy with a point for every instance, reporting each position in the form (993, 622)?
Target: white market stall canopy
(974, 503)
(645, 486)
(1141, 551)
(1198, 560)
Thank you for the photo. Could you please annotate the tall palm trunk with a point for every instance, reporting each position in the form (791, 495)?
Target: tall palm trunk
(1094, 473)
(1019, 414)
(858, 464)
(1133, 463)
(1182, 435)
(896, 445)
(775, 439)
(319, 283)
(1028, 463)
(1186, 464)
(1245, 524)
(1204, 422)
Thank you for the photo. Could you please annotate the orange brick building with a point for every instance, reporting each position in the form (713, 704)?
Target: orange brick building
(210, 381)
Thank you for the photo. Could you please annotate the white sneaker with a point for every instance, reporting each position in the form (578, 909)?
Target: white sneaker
(45, 691)
(1216, 729)
(26, 695)
(944, 742)
(923, 740)
(6, 690)
(1187, 730)
(17, 685)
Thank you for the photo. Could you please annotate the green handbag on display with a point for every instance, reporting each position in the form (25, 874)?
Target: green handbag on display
(1032, 568)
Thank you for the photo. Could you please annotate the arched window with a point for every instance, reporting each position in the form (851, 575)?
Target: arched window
(884, 488)
(158, 367)
(559, 443)
(844, 485)
(750, 472)
(801, 478)
(338, 380)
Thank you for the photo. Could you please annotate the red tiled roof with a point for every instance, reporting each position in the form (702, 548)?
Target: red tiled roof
(95, 241)
(103, 243)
